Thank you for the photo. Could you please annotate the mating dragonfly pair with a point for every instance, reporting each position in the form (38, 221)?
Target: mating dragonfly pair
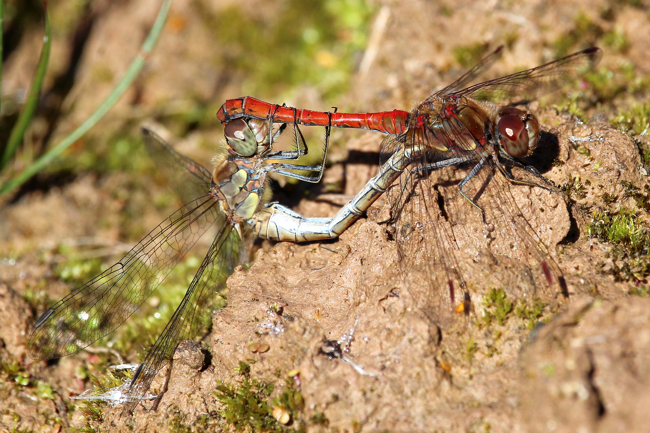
(481, 129)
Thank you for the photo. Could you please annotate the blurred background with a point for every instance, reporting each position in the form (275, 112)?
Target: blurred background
(102, 194)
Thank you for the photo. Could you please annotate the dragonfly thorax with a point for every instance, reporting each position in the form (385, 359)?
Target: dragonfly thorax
(238, 184)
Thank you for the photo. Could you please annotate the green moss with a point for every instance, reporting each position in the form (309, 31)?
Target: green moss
(178, 422)
(14, 371)
(491, 350)
(549, 370)
(248, 406)
(574, 188)
(470, 349)
(619, 83)
(44, 390)
(582, 150)
(290, 399)
(93, 413)
(634, 120)
(155, 313)
(497, 307)
(319, 419)
(644, 292)
(77, 271)
(622, 228)
(608, 198)
(572, 105)
(16, 375)
(245, 404)
(17, 429)
(530, 311)
(630, 239)
(104, 380)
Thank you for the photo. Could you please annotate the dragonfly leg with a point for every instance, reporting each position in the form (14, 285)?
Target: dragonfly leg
(304, 178)
(301, 149)
(529, 168)
(299, 140)
(471, 174)
(444, 163)
(456, 161)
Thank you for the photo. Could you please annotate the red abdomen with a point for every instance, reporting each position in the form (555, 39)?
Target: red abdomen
(388, 122)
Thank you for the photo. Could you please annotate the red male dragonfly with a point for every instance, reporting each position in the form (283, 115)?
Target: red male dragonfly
(227, 199)
(483, 126)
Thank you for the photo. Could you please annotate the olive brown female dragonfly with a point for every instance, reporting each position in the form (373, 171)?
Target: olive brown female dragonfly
(225, 199)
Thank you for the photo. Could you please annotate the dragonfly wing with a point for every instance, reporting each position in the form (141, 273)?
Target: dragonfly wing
(188, 178)
(426, 244)
(389, 146)
(533, 83)
(194, 311)
(471, 75)
(449, 253)
(504, 249)
(105, 302)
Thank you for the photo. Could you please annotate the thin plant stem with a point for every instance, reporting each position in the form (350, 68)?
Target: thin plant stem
(2, 30)
(117, 92)
(25, 118)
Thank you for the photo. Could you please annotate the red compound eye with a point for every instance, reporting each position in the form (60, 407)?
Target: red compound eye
(518, 132)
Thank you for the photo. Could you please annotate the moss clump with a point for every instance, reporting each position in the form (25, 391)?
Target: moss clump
(497, 307)
(620, 228)
(574, 188)
(106, 379)
(530, 311)
(470, 349)
(248, 405)
(634, 120)
(630, 253)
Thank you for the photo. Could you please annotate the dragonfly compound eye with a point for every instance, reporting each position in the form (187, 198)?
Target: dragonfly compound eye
(518, 132)
(240, 137)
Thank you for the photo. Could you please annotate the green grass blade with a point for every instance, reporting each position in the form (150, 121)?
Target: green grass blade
(27, 113)
(2, 30)
(117, 92)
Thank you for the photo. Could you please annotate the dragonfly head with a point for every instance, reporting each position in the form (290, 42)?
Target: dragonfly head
(518, 131)
(250, 137)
